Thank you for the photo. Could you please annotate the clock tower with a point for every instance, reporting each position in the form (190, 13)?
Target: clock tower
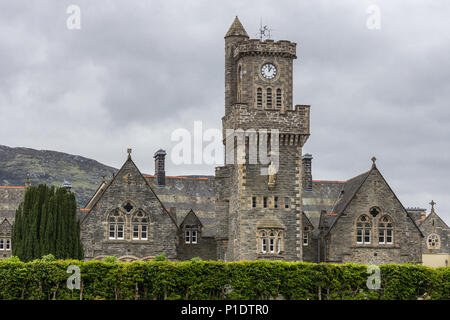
(258, 205)
(258, 73)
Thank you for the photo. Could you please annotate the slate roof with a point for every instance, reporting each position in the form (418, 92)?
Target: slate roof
(236, 29)
(186, 193)
(348, 191)
(323, 197)
(10, 199)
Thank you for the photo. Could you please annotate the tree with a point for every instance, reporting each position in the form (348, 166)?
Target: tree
(46, 223)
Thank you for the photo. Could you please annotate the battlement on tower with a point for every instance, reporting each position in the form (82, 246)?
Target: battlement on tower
(290, 121)
(283, 48)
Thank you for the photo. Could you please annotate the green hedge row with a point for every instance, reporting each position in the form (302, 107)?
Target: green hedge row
(218, 280)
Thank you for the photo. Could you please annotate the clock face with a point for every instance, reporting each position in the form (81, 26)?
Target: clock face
(268, 71)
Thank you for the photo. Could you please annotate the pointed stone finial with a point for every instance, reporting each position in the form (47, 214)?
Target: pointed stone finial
(432, 205)
(236, 29)
(129, 152)
(373, 162)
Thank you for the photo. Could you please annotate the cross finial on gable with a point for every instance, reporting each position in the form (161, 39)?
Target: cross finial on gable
(374, 160)
(129, 153)
(432, 205)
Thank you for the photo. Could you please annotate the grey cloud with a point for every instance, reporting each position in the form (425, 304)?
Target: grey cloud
(137, 70)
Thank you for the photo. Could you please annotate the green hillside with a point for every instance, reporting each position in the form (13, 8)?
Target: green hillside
(52, 168)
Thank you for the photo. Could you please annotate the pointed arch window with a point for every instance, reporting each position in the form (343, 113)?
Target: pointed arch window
(116, 223)
(385, 231)
(270, 241)
(269, 98)
(263, 242)
(140, 226)
(259, 97)
(278, 98)
(363, 230)
(239, 83)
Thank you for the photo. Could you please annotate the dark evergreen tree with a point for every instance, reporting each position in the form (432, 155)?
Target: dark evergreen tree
(46, 223)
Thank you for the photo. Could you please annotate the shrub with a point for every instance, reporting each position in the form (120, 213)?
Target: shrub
(201, 280)
(161, 257)
(110, 259)
(48, 257)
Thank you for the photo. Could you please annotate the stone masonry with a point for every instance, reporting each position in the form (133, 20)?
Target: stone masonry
(242, 213)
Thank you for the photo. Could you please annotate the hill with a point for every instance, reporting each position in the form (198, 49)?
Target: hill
(52, 168)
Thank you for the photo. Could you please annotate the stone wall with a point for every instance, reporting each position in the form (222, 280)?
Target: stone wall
(341, 246)
(10, 199)
(433, 224)
(129, 185)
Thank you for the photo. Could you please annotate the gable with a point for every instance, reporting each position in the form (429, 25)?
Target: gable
(191, 219)
(127, 186)
(5, 227)
(370, 190)
(437, 220)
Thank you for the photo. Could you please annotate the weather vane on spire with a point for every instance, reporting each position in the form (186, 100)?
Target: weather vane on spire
(264, 31)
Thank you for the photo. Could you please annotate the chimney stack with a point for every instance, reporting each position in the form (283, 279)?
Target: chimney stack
(160, 172)
(307, 172)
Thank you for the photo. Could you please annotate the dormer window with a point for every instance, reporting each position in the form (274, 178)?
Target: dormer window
(191, 234)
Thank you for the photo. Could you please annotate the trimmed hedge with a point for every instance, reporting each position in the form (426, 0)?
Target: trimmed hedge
(218, 280)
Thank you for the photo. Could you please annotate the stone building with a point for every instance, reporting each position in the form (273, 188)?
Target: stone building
(436, 242)
(263, 203)
(10, 199)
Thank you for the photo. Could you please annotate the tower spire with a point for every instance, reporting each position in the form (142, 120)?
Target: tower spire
(236, 29)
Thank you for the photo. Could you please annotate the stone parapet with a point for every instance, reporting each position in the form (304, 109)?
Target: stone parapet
(283, 48)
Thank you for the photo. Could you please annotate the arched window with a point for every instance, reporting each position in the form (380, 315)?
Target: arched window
(279, 242)
(239, 83)
(271, 241)
(259, 97)
(385, 231)
(263, 242)
(116, 225)
(278, 98)
(363, 227)
(433, 241)
(140, 226)
(269, 98)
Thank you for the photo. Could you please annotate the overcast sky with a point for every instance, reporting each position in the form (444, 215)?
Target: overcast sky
(138, 70)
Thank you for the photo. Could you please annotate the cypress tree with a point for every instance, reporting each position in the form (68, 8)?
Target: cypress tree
(46, 223)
